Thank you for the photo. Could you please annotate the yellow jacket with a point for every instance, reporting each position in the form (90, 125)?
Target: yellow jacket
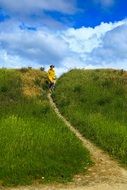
(51, 75)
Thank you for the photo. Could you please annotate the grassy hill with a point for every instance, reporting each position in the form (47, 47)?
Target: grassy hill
(95, 102)
(34, 143)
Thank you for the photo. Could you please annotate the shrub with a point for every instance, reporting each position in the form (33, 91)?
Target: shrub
(24, 69)
(3, 89)
(42, 69)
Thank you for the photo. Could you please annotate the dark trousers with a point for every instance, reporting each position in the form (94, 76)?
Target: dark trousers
(51, 85)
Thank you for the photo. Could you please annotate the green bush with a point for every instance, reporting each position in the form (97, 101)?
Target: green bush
(3, 89)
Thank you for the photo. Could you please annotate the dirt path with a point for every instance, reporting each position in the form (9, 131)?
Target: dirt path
(105, 168)
(106, 174)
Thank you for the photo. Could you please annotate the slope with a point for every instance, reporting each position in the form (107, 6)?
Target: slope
(94, 101)
(34, 144)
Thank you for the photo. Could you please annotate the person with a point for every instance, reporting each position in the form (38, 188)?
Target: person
(51, 77)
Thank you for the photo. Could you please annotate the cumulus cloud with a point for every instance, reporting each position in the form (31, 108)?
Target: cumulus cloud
(32, 6)
(39, 46)
(10, 61)
(102, 46)
(86, 39)
(39, 13)
(21, 48)
(113, 49)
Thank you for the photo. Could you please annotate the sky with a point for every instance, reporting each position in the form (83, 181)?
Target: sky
(66, 33)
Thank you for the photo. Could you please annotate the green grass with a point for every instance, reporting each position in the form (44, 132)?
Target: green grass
(95, 102)
(34, 142)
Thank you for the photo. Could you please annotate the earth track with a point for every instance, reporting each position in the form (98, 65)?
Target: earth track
(105, 168)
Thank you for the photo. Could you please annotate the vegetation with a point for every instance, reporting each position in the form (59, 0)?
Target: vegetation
(34, 142)
(95, 102)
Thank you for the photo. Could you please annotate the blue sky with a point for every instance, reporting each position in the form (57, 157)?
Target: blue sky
(69, 34)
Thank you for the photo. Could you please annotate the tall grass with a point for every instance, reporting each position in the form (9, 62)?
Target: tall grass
(95, 101)
(34, 143)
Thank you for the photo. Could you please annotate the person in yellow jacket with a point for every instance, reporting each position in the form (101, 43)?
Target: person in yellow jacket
(51, 77)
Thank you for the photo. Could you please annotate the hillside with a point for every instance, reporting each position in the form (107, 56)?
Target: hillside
(34, 143)
(95, 102)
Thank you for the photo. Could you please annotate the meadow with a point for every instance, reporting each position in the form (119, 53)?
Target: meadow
(95, 102)
(34, 143)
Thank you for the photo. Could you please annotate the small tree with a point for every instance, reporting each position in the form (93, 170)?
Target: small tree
(42, 68)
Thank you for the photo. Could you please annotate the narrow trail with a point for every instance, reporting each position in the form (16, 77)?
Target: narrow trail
(105, 174)
(105, 169)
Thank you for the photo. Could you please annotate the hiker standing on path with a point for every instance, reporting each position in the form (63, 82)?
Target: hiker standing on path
(51, 77)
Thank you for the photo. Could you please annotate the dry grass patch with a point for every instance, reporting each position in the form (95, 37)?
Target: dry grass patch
(32, 82)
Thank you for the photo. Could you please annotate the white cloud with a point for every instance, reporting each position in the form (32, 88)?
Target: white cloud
(113, 49)
(39, 46)
(102, 46)
(32, 6)
(86, 39)
(9, 61)
(40, 12)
